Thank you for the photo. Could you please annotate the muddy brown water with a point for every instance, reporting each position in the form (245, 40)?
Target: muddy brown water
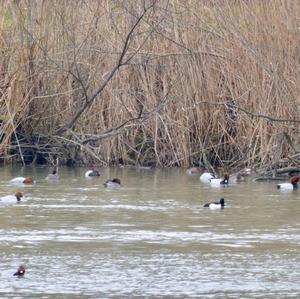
(151, 238)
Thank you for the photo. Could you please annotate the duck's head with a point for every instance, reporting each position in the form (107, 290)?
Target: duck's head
(226, 178)
(28, 180)
(294, 180)
(117, 181)
(21, 271)
(222, 202)
(54, 171)
(18, 195)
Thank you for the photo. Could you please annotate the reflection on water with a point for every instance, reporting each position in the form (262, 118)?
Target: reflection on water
(150, 238)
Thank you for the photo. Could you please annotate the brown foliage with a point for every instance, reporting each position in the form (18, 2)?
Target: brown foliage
(210, 80)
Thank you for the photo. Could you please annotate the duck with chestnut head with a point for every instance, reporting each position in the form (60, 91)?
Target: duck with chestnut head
(22, 180)
(289, 186)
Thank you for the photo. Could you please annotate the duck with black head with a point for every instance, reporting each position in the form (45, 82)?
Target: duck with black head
(92, 173)
(215, 205)
(20, 272)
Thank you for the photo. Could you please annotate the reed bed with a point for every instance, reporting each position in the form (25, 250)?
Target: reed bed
(209, 81)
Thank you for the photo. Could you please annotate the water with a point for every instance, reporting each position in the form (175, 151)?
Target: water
(151, 238)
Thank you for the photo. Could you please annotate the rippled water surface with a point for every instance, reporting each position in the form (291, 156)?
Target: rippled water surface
(151, 238)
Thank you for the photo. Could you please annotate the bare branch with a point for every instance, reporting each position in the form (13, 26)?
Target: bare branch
(119, 64)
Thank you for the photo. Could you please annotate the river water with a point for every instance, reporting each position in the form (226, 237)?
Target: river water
(150, 238)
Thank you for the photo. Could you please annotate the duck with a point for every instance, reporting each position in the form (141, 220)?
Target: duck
(91, 173)
(12, 198)
(289, 186)
(195, 170)
(236, 178)
(246, 171)
(53, 176)
(20, 272)
(215, 205)
(206, 177)
(22, 180)
(218, 182)
(113, 183)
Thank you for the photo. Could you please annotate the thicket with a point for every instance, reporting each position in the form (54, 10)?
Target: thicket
(165, 83)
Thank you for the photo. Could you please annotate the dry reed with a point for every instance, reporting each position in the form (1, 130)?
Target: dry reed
(215, 81)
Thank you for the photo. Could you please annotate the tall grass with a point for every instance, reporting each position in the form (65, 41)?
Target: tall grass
(223, 74)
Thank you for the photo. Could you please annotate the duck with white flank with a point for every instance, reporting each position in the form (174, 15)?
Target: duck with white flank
(205, 177)
(219, 182)
(114, 183)
(92, 173)
(22, 180)
(289, 186)
(12, 198)
(215, 205)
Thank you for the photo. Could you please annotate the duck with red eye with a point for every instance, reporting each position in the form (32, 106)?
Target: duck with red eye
(20, 272)
(289, 186)
(220, 182)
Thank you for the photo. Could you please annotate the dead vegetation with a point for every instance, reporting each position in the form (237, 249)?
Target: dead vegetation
(164, 83)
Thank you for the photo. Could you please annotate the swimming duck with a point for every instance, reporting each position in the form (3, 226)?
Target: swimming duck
(22, 180)
(91, 173)
(53, 176)
(246, 171)
(114, 183)
(289, 186)
(194, 170)
(12, 198)
(20, 272)
(236, 178)
(218, 182)
(205, 177)
(215, 205)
